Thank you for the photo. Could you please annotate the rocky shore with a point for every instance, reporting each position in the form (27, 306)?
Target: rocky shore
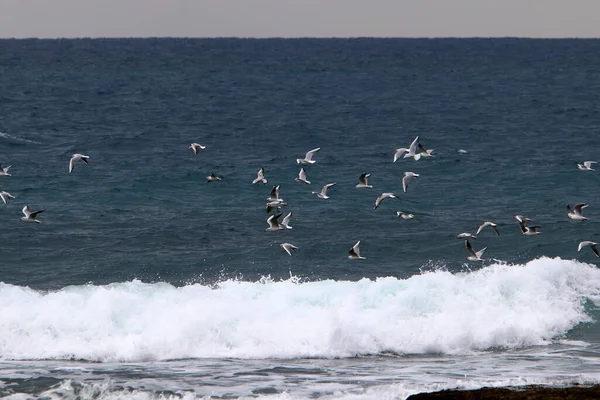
(516, 393)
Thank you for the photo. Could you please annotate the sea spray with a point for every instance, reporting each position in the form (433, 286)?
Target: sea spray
(497, 306)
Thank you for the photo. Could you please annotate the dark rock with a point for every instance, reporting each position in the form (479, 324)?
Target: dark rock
(514, 393)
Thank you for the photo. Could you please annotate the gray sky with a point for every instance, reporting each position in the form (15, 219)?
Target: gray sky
(299, 18)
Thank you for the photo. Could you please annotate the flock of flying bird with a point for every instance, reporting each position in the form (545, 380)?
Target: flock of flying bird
(415, 151)
(32, 216)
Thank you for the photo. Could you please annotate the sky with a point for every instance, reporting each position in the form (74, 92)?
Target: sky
(299, 18)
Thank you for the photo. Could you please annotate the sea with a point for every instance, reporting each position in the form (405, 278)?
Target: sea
(145, 281)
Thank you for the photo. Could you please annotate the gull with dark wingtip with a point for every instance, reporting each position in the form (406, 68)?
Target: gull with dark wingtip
(592, 245)
(355, 252)
(273, 222)
(302, 177)
(260, 177)
(288, 247)
(576, 212)
(31, 216)
(196, 147)
(363, 181)
(6, 196)
(488, 223)
(474, 255)
(382, 197)
(4, 170)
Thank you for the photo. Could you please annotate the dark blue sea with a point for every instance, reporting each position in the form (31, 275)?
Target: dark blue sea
(143, 281)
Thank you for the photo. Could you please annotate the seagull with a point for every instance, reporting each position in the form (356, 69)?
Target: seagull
(211, 178)
(76, 157)
(275, 205)
(473, 255)
(302, 177)
(466, 235)
(355, 252)
(462, 151)
(590, 244)
(31, 216)
(383, 196)
(362, 181)
(308, 158)
(274, 196)
(576, 211)
(586, 166)
(288, 247)
(5, 196)
(412, 150)
(195, 147)
(323, 193)
(399, 152)
(4, 171)
(424, 152)
(407, 176)
(404, 215)
(260, 177)
(286, 221)
(529, 230)
(273, 223)
(488, 223)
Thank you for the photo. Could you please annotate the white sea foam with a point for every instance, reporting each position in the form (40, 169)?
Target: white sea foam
(496, 306)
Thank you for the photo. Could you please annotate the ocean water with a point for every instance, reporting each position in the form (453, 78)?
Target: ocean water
(143, 281)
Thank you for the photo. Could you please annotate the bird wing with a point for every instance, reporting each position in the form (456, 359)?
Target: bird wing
(309, 155)
(470, 248)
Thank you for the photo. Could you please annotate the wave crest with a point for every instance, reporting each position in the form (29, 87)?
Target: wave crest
(498, 306)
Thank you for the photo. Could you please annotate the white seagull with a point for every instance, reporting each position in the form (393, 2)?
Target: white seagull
(488, 223)
(323, 193)
(288, 247)
(274, 196)
(586, 166)
(412, 150)
(5, 196)
(590, 244)
(529, 230)
(308, 158)
(355, 252)
(576, 212)
(382, 197)
(273, 223)
(31, 216)
(4, 170)
(76, 157)
(406, 179)
(363, 181)
(302, 177)
(286, 221)
(474, 255)
(260, 177)
(212, 178)
(403, 215)
(196, 147)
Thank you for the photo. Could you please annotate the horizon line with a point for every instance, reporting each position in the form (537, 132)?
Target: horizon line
(296, 37)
